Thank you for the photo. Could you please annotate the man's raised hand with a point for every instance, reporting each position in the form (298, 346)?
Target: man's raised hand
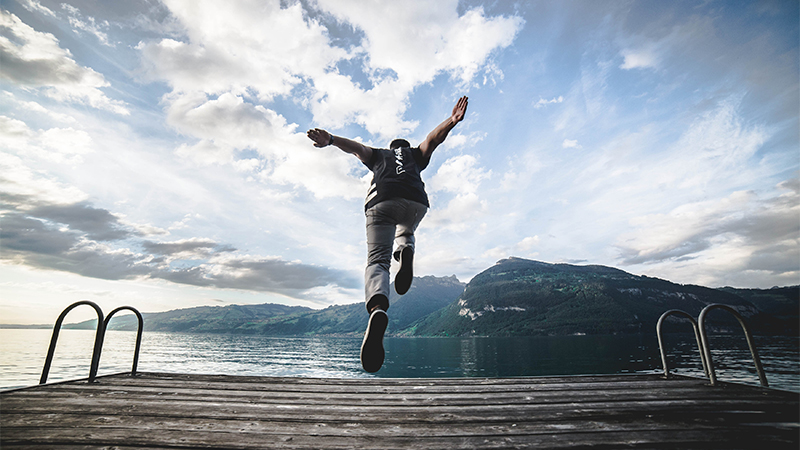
(459, 110)
(320, 137)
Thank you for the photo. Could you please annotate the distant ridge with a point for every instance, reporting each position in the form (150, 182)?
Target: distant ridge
(514, 297)
(427, 294)
(523, 297)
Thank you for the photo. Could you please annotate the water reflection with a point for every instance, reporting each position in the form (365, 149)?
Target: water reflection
(517, 356)
(22, 356)
(578, 355)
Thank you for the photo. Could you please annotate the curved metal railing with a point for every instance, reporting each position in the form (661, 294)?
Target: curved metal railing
(98, 340)
(102, 325)
(712, 376)
(140, 328)
(696, 335)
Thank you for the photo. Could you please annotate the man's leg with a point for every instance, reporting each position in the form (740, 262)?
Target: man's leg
(404, 238)
(381, 223)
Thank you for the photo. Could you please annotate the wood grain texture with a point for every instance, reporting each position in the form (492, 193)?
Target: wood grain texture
(173, 411)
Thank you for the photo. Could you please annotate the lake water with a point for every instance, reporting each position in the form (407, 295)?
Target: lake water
(22, 354)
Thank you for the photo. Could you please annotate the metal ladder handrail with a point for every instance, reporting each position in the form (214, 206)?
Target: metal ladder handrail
(102, 326)
(762, 377)
(98, 340)
(696, 335)
(140, 328)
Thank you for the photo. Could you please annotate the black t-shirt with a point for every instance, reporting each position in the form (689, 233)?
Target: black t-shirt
(396, 173)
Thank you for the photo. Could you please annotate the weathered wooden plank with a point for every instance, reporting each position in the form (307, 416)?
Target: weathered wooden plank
(704, 418)
(222, 408)
(674, 438)
(380, 399)
(395, 381)
(392, 385)
(186, 390)
(185, 411)
(373, 387)
(411, 426)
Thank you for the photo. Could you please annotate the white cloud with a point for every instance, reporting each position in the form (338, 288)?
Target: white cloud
(35, 6)
(380, 109)
(528, 243)
(32, 58)
(642, 172)
(570, 143)
(542, 102)
(642, 58)
(88, 24)
(38, 108)
(242, 48)
(524, 248)
(426, 39)
(418, 39)
(459, 174)
(458, 215)
(227, 120)
(741, 233)
(719, 143)
(652, 48)
(60, 145)
(15, 132)
(17, 180)
(228, 124)
(232, 58)
(67, 141)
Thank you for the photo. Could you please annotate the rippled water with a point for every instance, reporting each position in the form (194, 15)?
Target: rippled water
(22, 354)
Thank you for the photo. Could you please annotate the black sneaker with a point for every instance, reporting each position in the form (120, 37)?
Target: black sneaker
(402, 281)
(372, 352)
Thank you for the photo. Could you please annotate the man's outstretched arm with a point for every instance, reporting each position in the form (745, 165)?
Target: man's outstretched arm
(439, 134)
(322, 138)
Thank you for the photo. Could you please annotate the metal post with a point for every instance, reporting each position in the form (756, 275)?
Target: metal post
(138, 333)
(98, 340)
(696, 336)
(762, 377)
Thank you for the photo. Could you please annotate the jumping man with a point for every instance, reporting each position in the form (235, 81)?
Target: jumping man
(396, 203)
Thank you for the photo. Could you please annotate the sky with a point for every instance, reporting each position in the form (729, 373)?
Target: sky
(153, 153)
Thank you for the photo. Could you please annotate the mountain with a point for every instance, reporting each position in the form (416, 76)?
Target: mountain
(780, 307)
(523, 297)
(512, 298)
(426, 295)
(201, 319)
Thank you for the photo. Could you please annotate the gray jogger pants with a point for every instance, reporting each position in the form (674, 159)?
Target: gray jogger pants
(393, 220)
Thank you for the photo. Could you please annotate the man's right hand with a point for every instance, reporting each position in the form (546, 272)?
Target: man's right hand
(320, 137)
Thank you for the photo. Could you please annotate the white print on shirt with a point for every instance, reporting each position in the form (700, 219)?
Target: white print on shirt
(398, 158)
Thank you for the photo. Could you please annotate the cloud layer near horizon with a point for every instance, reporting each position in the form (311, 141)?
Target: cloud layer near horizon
(94, 243)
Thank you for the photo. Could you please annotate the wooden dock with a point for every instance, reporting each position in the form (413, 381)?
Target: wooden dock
(172, 411)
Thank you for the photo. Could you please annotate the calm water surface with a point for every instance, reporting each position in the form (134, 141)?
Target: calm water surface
(22, 354)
